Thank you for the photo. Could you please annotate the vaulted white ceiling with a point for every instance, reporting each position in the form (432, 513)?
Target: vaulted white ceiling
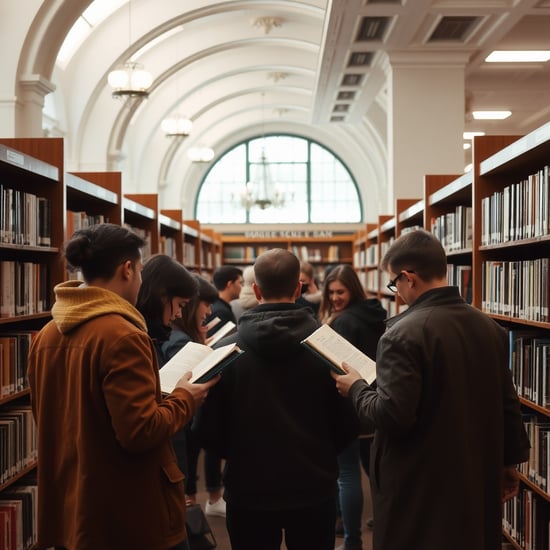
(239, 68)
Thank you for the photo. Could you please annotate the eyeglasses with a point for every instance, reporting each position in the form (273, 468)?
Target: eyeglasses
(392, 285)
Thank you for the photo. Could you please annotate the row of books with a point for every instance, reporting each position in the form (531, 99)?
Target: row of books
(145, 234)
(19, 223)
(526, 520)
(167, 245)
(517, 289)
(461, 276)
(520, 211)
(82, 220)
(18, 444)
(18, 516)
(14, 350)
(537, 468)
(309, 254)
(454, 229)
(189, 254)
(367, 257)
(25, 288)
(530, 365)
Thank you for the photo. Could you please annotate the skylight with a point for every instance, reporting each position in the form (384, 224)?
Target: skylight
(518, 56)
(96, 12)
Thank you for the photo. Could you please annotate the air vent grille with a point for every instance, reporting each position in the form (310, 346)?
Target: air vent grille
(454, 28)
(372, 29)
(343, 96)
(360, 59)
(352, 79)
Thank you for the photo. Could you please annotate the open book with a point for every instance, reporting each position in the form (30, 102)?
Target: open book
(224, 330)
(203, 361)
(334, 349)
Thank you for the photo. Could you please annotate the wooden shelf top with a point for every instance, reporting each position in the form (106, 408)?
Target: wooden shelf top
(169, 222)
(452, 189)
(28, 163)
(132, 206)
(415, 210)
(88, 188)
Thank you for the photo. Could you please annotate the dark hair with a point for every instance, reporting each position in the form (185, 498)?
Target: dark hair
(345, 274)
(417, 251)
(99, 249)
(163, 277)
(188, 322)
(307, 269)
(277, 273)
(224, 275)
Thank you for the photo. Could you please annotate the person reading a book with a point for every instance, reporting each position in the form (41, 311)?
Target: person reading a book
(277, 419)
(346, 308)
(448, 425)
(228, 280)
(191, 328)
(107, 471)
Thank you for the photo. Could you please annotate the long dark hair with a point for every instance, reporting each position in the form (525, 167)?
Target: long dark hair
(345, 274)
(163, 277)
(188, 321)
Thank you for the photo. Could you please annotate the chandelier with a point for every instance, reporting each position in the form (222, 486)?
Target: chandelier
(130, 80)
(262, 192)
(176, 126)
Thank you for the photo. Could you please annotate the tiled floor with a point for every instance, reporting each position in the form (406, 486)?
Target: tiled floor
(220, 532)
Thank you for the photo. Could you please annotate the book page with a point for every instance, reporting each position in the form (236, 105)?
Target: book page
(194, 357)
(326, 341)
(220, 333)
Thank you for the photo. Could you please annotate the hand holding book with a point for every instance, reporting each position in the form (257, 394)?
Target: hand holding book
(335, 350)
(201, 361)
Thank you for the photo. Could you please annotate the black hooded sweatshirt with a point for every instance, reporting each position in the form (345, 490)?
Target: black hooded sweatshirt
(276, 415)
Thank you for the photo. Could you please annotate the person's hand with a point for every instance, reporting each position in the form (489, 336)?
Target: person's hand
(198, 391)
(345, 381)
(510, 483)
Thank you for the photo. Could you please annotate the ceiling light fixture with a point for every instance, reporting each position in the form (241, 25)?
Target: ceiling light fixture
(491, 115)
(518, 56)
(200, 154)
(176, 125)
(471, 135)
(131, 79)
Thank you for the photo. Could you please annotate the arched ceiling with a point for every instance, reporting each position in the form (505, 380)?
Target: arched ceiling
(238, 68)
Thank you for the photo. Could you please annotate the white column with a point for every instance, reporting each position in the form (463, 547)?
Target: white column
(425, 118)
(32, 90)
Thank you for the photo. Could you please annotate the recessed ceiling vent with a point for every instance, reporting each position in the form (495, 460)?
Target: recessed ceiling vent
(373, 29)
(360, 59)
(454, 28)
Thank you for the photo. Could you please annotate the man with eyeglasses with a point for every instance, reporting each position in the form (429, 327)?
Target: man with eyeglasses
(447, 420)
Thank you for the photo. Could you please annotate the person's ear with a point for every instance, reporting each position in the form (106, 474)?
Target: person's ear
(257, 292)
(298, 290)
(126, 269)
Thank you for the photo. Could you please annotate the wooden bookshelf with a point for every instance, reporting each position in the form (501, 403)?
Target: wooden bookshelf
(171, 234)
(141, 214)
(335, 249)
(32, 234)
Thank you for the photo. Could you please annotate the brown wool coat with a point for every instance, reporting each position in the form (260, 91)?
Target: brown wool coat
(107, 473)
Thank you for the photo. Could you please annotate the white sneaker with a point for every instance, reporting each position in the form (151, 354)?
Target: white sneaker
(217, 509)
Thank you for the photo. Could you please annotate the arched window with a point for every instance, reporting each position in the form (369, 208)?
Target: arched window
(278, 179)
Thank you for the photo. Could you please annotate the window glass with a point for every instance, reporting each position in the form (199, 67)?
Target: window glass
(278, 179)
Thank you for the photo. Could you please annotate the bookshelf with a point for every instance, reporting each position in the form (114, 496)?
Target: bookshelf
(511, 196)
(171, 234)
(319, 251)
(32, 199)
(141, 214)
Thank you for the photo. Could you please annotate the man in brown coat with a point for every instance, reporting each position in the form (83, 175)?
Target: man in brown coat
(107, 474)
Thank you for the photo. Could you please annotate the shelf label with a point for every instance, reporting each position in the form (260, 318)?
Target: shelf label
(15, 158)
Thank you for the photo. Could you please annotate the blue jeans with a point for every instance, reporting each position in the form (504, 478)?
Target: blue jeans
(351, 493)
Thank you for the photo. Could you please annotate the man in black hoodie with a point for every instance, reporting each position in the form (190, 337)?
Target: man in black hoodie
(278, 420)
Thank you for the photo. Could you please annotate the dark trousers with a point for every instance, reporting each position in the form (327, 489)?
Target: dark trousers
(310, 528)
(212, 466)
